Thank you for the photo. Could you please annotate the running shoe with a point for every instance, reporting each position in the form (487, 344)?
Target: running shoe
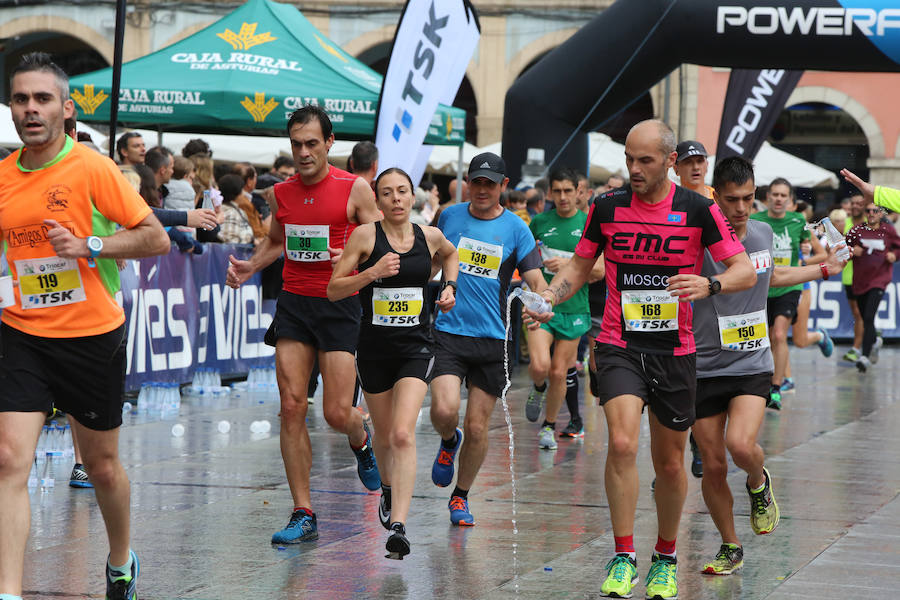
(621, 576)
(79, 477)
(366, 467)
(764, 512)
(851, 356)
(301, 528)
(774, 401)
(696, 461)
(873, 353)
(442, 469)
(863, 364)
(459, 512)
(787, 385)
(121, 586)
(662, 581)
(384, 512)
(397, 544)
(825, 344)
(547, 438)
(534, 404)
(572, 430)
(729, 559)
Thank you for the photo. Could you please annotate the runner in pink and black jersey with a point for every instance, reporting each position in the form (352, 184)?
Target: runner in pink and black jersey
(652, 235)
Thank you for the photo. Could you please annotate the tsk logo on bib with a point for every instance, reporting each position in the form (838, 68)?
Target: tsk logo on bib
(396, 307)
(47, 282)
(306, 243)
(649, 310)
(479, 258)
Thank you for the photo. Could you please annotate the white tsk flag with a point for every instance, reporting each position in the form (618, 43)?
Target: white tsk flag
(434, 42)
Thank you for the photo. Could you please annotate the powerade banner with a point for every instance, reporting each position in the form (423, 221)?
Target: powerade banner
(630, 46)
(753, 102)
(432, 46)
(182, 316)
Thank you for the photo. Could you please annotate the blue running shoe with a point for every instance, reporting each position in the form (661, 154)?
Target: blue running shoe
(366, 467)
(825, 345)
(301, 528)
(120, 586)
(787, 385)
(696, 460)
(442, 469)
(79, 477)
(459, 512)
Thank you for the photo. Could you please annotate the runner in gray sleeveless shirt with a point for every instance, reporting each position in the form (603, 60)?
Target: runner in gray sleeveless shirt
(734, 366)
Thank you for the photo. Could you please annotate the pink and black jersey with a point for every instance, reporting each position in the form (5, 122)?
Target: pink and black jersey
(643, 245)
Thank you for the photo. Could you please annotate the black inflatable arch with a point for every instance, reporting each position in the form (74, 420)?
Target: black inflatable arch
(633, 44)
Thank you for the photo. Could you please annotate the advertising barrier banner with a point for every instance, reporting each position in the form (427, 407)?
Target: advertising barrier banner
(181, 316)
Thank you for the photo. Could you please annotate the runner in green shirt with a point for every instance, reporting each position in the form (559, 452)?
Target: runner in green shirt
(557, 233)
(790, 231)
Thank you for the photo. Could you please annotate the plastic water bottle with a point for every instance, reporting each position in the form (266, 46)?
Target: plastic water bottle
(54, 441)
(217, 378)
(47, 480)
(533, 302)
(143, 399)
(68, 448)
(836, 239)
(33, 475)
(195, 382)
(40, 453)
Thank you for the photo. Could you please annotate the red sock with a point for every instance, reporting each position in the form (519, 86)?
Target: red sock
(665, 546)
(361, 446)
(304, 509)
(624, 544)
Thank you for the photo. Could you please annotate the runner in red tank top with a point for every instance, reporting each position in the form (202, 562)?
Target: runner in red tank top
(652, 235)
(315, 212)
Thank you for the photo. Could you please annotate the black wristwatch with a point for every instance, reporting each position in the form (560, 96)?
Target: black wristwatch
(449, 283)
(715, 286)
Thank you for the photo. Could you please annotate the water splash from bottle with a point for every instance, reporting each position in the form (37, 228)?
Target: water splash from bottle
(512, 444)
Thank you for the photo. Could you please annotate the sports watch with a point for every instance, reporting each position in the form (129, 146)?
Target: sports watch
(95, 246)
(715, 286)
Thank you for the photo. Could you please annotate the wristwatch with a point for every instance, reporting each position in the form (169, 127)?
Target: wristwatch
(450, 283)
(95, 246)
(715, 286)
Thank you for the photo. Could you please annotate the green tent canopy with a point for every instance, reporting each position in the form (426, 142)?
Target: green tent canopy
(246, 73)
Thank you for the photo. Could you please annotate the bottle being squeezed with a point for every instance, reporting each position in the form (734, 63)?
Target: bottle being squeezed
(533, 302)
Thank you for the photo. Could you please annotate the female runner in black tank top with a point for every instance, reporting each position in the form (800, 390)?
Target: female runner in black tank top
(394, 356)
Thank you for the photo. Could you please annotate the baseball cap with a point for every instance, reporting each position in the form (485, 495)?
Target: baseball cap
(489, 166)
(689, 148)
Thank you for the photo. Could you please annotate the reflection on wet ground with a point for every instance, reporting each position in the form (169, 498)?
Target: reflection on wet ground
(206, 504)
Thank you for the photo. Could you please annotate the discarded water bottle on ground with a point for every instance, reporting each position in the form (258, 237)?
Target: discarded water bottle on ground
(533, 302)
(47, 480)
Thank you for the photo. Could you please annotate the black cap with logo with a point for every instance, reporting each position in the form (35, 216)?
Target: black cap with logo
(689, 148)
(489, 166)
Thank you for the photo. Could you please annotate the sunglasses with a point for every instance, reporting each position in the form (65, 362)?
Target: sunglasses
(873, 211)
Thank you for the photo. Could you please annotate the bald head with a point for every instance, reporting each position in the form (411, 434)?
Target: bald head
(649, 153)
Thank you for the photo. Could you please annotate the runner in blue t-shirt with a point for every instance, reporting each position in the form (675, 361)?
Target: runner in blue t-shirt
(468, 341)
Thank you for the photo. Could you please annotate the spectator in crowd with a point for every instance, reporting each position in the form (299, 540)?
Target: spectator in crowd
(149, 191)
(535, 201)
(241, 224)
(281, 170)
(181, 189)
(363, 161)
(451, 190)
(614, 182)
(584, 195)
(248, 175)
(519, 205)
(162, 163)
(420, 200)
(130, 149)
(196, 147)
(434, 200)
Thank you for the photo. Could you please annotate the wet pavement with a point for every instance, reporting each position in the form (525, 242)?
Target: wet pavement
(206, 504)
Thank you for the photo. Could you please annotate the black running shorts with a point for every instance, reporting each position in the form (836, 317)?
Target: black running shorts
(84, 377)
(380, 375)
(714, 394)
(668, 384)
(848, 290)
(784, 305)
(328, 326)
(478, 361)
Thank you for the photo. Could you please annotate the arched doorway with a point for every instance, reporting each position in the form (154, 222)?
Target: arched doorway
(825, 135)
(379, 56)
(73, 55)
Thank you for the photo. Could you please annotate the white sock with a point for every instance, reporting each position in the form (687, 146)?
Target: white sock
(124, 569)
(10, 597)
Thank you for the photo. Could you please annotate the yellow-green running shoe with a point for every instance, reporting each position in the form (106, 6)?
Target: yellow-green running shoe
(729, 559)
(662, 582)
(763, 508)
(622, 575)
